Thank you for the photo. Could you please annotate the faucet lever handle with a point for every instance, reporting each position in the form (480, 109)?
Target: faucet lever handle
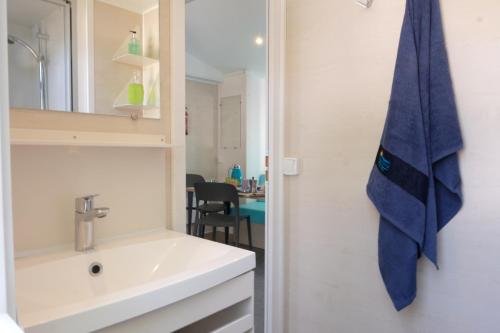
(85, 203)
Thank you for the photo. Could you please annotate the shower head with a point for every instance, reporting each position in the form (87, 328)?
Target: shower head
(11, 41)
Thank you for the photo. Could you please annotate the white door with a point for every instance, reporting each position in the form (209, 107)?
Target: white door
(230, 150)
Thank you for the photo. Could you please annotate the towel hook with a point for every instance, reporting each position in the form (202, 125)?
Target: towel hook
(365, 3)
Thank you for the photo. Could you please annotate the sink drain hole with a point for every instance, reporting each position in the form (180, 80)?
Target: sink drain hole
(95, 269)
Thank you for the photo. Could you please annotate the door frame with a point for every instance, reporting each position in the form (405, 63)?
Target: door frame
(275, 237)
(275, 225)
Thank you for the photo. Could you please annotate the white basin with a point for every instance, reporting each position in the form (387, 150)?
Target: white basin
(56, 292)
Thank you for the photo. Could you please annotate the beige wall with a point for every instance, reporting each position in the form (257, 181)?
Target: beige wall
(340, 61)
(201, 142)
(111, 30)
(150, 74)
(46, 180)
(151, 33)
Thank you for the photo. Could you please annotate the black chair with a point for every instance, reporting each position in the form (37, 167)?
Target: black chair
(206, 208)
(222, 193)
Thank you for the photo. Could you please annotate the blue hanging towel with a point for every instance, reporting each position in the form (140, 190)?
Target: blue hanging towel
(415, 182)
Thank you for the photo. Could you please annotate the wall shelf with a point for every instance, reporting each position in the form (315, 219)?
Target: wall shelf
(135, 60)
(35, 137)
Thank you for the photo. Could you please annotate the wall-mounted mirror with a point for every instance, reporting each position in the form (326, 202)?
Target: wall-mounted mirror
(89, 56)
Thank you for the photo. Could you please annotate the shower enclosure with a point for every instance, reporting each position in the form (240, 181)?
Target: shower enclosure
(40, 68)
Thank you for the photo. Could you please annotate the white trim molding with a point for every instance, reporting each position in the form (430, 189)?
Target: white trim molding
(7, 287)
(178, 108)
(85, 55)
(43, 137)
(275, 230)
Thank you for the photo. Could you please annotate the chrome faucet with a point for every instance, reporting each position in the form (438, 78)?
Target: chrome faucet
(85, 214)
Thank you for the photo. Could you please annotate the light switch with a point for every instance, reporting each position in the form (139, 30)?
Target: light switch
(291, 166)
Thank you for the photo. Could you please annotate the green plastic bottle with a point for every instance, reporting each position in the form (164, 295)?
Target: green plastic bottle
(134, 46)
(136, 90)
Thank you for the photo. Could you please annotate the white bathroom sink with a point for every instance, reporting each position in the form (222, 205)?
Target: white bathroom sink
(57, 293)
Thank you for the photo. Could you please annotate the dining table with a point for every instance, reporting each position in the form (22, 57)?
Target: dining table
(255, 208)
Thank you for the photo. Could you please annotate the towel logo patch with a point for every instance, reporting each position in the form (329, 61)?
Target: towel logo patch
(402, 174)
(383, 163)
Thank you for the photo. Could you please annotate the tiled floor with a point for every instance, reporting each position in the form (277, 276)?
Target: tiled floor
(259, 291)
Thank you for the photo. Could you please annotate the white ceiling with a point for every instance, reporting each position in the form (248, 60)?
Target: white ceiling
(136, 6)
(222, 33)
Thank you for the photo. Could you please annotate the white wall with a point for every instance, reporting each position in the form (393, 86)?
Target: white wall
(46, 180)
(340, 61)
(201, 142)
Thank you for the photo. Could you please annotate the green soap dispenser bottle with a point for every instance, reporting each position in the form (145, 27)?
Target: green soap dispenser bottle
(136, 90)
(134, 46)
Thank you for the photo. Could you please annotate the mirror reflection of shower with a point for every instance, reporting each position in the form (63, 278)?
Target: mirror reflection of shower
(39, 57)
(40, 54)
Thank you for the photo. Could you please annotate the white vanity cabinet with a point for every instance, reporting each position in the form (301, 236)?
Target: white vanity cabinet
(143, 284)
